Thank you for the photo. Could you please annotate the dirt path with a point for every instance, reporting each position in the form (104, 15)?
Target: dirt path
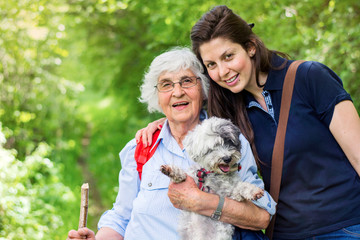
(96, 208)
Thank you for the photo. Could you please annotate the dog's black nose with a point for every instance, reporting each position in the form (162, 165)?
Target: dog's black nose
(226, 159)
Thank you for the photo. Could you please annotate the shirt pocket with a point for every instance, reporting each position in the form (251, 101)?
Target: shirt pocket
(152, 198)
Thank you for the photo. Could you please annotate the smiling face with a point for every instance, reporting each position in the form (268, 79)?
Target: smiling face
(229, 64)
(181, 105)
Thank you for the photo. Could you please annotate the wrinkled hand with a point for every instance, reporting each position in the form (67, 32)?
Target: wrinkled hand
(82, 233)
(147, 132)
(185, 195)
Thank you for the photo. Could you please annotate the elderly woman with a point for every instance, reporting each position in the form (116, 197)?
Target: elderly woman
(142, 209)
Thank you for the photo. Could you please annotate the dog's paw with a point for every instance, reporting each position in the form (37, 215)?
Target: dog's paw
(248, 191)
(175, 173)
(258, 193)
(166, 169)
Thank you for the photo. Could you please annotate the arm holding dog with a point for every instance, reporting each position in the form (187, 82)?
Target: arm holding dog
(253, 215)
(245, 214)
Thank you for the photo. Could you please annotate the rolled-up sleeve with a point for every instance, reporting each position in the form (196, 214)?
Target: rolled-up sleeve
(118, 217)
(248, 173)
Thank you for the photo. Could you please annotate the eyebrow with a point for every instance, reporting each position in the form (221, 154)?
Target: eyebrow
(226, 52)
(164, 80)
(181, 78)
(222, 56)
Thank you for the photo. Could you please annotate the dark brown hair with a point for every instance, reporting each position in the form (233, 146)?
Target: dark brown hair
(222, 22)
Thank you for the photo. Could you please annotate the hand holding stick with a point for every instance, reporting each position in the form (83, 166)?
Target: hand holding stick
(84, 205)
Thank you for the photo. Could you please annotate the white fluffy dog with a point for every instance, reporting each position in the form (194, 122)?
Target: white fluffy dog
(214, 146)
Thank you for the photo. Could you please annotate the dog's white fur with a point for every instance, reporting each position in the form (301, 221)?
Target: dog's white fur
(213, 145)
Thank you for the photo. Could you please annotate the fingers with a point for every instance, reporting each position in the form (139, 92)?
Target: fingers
(87, 233)
(82, 233)
(138, 135)
(73, 234)
(160, 122)
(146, 134)
(150, 130)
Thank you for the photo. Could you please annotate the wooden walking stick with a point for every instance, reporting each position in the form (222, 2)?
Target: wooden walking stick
(84, 205)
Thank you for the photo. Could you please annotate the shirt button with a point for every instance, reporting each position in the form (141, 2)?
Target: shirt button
(266, 94)
(149, 184)
(270, 106)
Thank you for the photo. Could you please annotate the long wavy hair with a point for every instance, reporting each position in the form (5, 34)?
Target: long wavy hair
(222, 22)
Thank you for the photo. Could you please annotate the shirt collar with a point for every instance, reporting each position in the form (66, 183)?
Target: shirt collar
(165, 133)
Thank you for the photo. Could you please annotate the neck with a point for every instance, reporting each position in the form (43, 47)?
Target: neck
(256, 91)
(253, 88)
(179, 130)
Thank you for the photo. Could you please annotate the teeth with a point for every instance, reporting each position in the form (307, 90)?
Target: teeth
(231, 80)
(179, 104)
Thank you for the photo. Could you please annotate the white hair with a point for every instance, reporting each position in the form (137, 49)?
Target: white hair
(174, 60)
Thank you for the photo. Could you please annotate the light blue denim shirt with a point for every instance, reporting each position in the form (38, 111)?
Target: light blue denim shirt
(142, 209)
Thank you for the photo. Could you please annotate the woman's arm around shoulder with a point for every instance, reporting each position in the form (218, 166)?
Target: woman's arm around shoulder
(145, 134)
(345, 127)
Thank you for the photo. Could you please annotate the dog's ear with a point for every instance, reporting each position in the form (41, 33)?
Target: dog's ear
(198, 141)
(228, 131)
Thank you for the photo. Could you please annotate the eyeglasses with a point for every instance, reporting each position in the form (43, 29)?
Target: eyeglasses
(167, 85)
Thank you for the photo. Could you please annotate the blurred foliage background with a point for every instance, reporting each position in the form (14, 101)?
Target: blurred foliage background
(70, 72)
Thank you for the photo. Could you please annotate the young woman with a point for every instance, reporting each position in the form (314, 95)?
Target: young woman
(320, 188)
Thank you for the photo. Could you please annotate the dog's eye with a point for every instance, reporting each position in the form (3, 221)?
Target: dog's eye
(232, 142)
(228, 142)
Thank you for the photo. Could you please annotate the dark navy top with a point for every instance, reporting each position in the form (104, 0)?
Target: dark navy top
(320, 190)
